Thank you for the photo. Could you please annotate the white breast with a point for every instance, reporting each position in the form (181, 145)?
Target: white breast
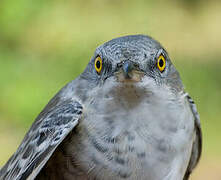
(137, 135)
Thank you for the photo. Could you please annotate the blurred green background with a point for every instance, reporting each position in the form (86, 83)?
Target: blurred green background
(46, 43)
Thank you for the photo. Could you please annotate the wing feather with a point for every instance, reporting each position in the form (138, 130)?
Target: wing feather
(197, 144)
(47, 132)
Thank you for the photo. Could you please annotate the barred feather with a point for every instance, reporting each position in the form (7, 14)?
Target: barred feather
(46, 133)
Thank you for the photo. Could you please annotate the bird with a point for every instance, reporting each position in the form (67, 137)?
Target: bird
(127, 116)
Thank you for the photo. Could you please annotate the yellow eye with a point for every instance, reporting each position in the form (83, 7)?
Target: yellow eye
(98, 64)
(161, 63)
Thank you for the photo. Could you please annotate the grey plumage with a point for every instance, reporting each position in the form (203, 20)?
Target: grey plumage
(131, 120)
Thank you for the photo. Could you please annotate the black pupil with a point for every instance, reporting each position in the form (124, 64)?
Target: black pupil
(161, 63)
(98, 64)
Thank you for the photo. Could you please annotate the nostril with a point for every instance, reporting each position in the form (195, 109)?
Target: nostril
(119, 65)
(136, 65)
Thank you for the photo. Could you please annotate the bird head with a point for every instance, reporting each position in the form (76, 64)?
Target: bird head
(136, 60)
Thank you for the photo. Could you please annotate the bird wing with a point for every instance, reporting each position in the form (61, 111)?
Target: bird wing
(197, 144)
(46, 133)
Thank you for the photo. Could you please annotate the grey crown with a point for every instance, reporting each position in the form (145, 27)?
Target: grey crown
(130, 121)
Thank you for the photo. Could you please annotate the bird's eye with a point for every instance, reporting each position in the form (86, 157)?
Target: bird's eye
(161, 63)
(98, 64)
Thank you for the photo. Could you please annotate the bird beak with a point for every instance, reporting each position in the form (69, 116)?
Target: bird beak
(128, 71)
